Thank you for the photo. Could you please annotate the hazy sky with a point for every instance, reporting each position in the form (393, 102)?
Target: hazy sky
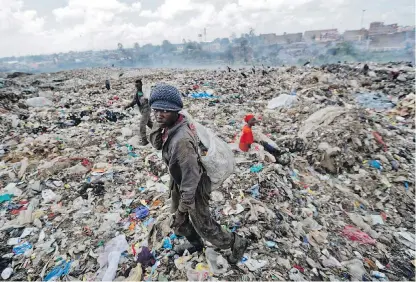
(47, 26)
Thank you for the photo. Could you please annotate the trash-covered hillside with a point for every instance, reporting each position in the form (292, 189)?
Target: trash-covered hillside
(80, 199)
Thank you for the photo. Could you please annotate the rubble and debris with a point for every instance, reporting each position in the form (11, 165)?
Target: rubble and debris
(82, 199)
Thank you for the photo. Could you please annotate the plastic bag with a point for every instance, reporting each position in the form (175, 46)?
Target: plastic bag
(58, 271)
(49, 196)
(219, 161)
(39, 102)
(282, 101)
(217, 263)
(322, 117)
(355, 234)
(110, 258)
(200, 273)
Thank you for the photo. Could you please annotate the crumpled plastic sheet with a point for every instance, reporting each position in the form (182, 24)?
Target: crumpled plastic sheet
(377, 101)
(58, 271)
(355, 234)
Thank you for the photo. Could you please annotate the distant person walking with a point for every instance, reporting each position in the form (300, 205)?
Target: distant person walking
(144, 108)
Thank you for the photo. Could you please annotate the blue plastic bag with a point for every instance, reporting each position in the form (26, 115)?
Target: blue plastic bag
(141, 212)
(375, 164)
(256, 168)
(58, 271)
(167, 244)
(255, 191)
(22, 248)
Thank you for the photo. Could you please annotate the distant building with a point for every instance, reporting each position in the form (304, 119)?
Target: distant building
(392, 41)
(381, 28)
(179, 47)
(324, 35)
(268, 39)
(289, 38)
(406, 28)
(211, 46)
(355, 35)
(272, 38)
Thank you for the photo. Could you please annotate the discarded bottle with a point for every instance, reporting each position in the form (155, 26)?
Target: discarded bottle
(378, 274)
(6, 273)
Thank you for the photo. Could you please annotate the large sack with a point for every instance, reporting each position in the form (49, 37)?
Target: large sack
(219, 161)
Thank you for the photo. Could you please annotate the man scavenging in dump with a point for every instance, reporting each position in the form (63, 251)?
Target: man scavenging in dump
(144, 108)
(247, 139)
(190, 186)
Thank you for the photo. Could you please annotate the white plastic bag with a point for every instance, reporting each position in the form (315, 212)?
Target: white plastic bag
(219, 161)
(49, 196)
(147, 88)
(322, 117)
(39, 102)
(110, 258)
(282, 100)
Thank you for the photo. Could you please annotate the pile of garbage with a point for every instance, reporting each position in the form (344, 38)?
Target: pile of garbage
(80, 199)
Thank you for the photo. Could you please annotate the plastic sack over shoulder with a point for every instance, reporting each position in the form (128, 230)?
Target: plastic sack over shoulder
(147, 88)
(219, 161)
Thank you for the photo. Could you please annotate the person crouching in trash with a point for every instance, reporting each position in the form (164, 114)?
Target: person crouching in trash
(247, 139)
(190, 186)
(144, 108)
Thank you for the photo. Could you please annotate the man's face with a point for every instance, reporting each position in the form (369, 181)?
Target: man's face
(165, 118)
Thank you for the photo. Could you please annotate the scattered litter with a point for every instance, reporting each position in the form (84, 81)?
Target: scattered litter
(282, 101)
(326, 192)
(356, 234)
(58, 271)
(6, 273)
(230, 210)
(254, 264)
(22, 248)
(141, 212)
(256, 168)
(377, 101)
(217, 263)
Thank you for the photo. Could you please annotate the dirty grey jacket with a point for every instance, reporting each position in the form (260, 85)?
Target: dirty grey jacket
(141, 102)
(179, 146)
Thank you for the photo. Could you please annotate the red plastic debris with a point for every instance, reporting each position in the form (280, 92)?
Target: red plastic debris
(86, 163)
(17, 211)
(300, 268)
(378, 138)
(355, 234)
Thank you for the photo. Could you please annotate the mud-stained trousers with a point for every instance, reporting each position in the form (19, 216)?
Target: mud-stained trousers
(200, 223)
(145, 120)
